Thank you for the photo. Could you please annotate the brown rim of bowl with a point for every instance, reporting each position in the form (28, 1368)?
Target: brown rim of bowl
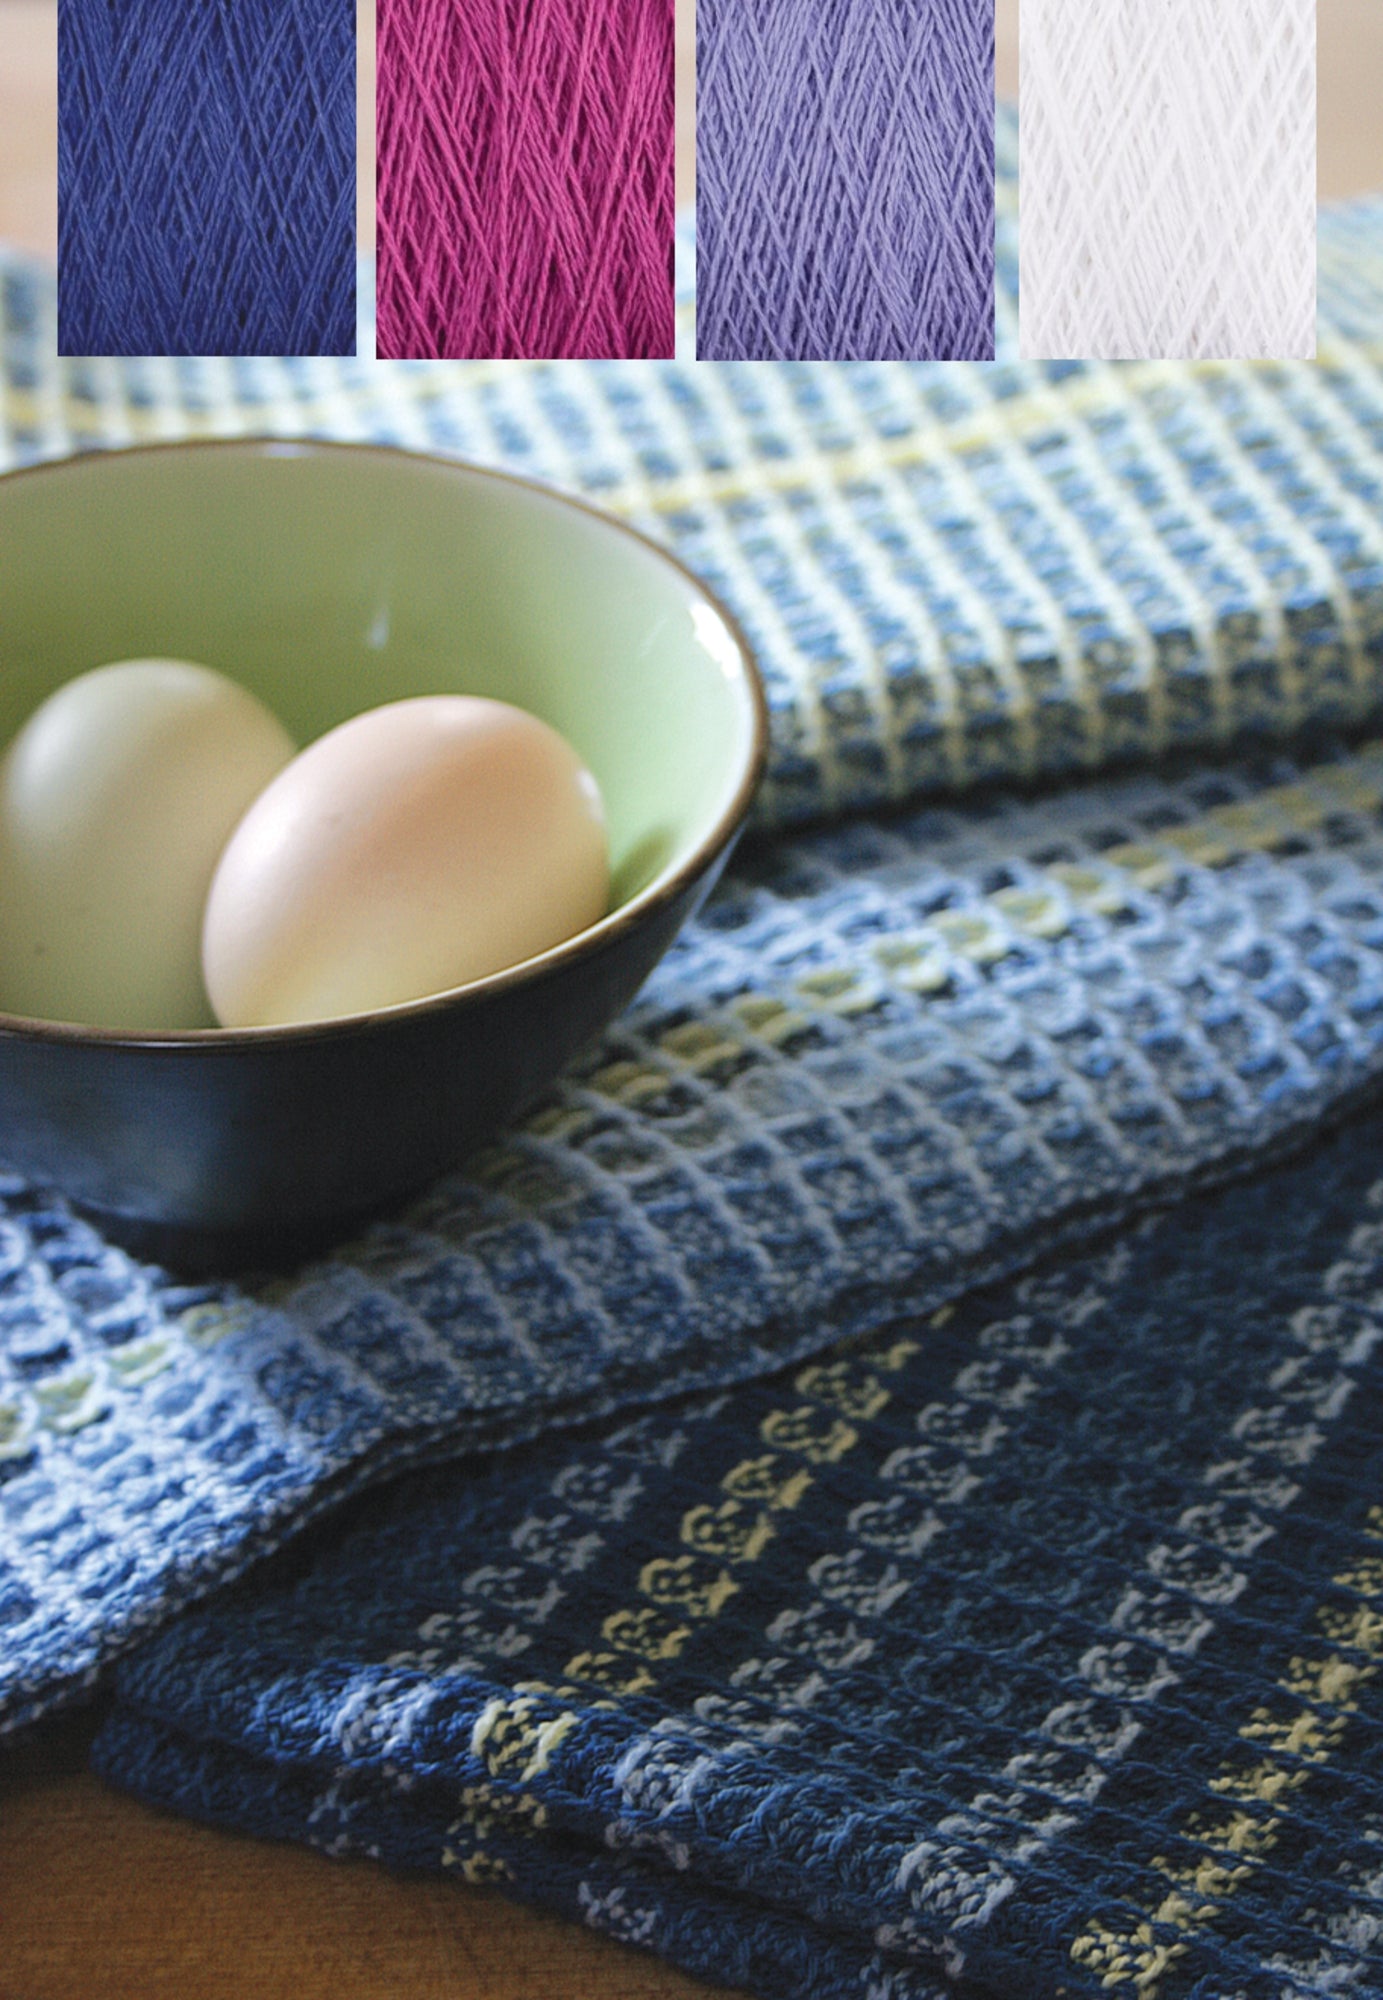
(665, 888)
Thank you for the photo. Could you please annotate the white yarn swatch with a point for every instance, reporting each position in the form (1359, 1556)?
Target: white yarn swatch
(1168, 185)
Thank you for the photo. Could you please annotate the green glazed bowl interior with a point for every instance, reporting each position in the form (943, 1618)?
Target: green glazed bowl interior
(329, 579)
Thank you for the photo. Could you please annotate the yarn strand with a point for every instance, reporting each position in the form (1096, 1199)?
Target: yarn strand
(206, 177)
(845, 165)
(1169, 180)
(525, 178)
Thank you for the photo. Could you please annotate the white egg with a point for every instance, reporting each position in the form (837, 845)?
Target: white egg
(416, 847)
(116, 799)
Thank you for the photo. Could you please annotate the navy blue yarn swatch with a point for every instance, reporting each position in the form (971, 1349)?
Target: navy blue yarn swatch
(1031, 1649)
(206, 177)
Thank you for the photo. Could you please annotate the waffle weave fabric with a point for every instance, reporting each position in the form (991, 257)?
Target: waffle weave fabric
(889, 1063)
(1030, 1649)
(1029, 1641)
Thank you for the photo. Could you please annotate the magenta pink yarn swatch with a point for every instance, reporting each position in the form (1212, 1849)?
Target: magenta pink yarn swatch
(525, 179)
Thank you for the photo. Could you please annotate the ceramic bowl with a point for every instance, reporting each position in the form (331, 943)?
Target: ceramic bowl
(328, 579)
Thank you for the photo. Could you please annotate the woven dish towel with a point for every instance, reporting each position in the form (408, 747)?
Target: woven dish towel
(900, 1056)
(1030, 1649)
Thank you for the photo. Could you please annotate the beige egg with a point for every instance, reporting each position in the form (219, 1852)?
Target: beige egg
(116, 799)
(412, 849)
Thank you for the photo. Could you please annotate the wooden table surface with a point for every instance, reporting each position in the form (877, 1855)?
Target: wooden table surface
(101, 1899)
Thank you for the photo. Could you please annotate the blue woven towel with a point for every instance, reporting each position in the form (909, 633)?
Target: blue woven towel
(1031, 1648)
(900, 1057)
(891, 1062)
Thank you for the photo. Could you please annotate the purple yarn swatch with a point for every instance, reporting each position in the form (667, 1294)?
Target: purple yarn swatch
(845, 180)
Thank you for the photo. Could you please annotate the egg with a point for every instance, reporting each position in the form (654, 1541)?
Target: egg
(414, 848)
(116, 799)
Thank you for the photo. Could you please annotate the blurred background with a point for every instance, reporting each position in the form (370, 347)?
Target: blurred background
(1351, 92)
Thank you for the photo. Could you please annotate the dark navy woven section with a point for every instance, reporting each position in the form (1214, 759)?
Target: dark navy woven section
(1036, 1646)
(891, 1062)
(206, 177)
